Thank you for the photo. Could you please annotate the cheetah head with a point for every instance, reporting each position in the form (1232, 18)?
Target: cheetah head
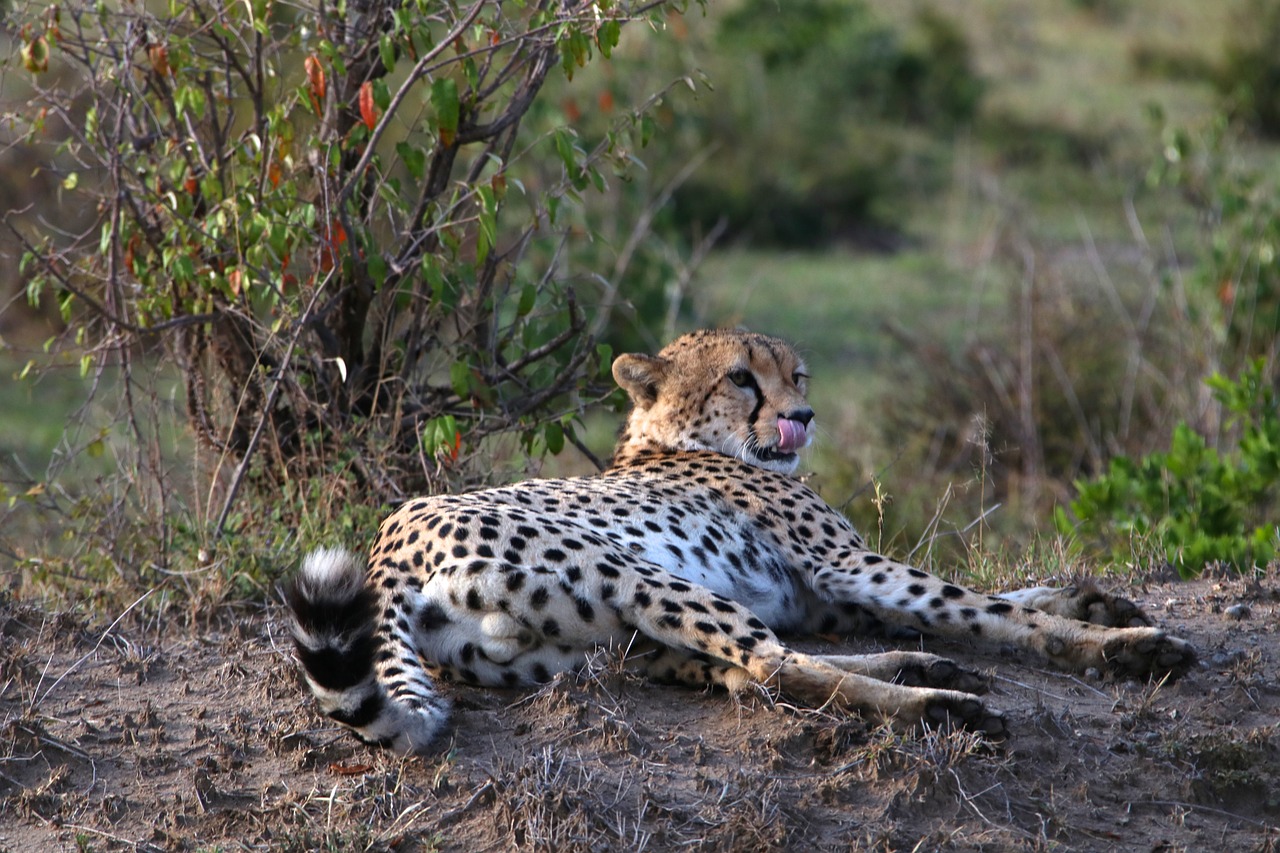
(731, 392)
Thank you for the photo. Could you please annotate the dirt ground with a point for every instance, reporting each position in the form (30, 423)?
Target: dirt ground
(141, 736)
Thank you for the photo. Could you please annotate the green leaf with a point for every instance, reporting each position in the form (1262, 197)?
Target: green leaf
(387, 52)
(554, 435)
(444, 98)
(528, 296)
(460, 379)
(414, 159)
(607, 37)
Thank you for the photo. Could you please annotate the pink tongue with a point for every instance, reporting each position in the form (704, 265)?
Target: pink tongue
(791, 435)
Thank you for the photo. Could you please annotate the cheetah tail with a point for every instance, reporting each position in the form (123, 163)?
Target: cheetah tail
(333, 616)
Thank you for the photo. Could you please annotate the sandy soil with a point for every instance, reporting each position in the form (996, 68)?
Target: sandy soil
(148, 737)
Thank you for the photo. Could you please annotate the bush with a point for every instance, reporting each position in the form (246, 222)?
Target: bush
(345, 223)
(1193, 503)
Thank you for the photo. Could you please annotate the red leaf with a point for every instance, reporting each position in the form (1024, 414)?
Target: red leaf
(349, 769)
(368, 112)
(315, 81)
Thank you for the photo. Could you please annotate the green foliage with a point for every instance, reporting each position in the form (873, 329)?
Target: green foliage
(1196, 504)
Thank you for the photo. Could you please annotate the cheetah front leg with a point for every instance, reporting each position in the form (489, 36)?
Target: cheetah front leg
(898, 594)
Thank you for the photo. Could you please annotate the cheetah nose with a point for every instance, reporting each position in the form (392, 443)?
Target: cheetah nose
(801, 415)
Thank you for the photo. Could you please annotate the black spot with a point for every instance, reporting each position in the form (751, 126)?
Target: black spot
(670, 606)
(515, 581)
(916, 589)
(642, 598)
(538, 599)
(473, 600)
(872, 559)
(878, 577)
(460, 551)
(432, 617)
(999, 607)
(539, 673)
(550, 628)
(585, 611)
(952, 591)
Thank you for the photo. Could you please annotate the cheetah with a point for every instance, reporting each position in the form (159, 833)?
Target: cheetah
(694, 551)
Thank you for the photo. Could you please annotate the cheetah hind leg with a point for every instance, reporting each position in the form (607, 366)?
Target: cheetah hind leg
(860, 683)
(913, 669)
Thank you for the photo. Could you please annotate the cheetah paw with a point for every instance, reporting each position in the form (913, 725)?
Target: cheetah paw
(1111, 611)
(1148, 654)
(943, 674)
(1086, 602)
(965, 712)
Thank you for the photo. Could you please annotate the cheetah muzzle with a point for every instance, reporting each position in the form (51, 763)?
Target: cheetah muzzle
(698, 542)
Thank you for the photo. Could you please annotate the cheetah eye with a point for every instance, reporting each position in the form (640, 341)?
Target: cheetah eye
(799, 377)
(740, 377)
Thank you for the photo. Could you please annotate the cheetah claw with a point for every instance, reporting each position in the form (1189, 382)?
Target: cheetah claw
(942, 674)
(1113, 611)
(964, 712)
(1153, 654)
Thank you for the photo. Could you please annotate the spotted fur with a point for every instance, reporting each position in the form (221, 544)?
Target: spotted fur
(694, 550)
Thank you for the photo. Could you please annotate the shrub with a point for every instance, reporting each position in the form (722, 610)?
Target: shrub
(345, 223)
(1193, 503)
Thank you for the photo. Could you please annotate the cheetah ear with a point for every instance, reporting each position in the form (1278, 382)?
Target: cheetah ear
(640, 376)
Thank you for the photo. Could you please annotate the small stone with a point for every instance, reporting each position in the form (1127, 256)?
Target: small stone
(1239, 612)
